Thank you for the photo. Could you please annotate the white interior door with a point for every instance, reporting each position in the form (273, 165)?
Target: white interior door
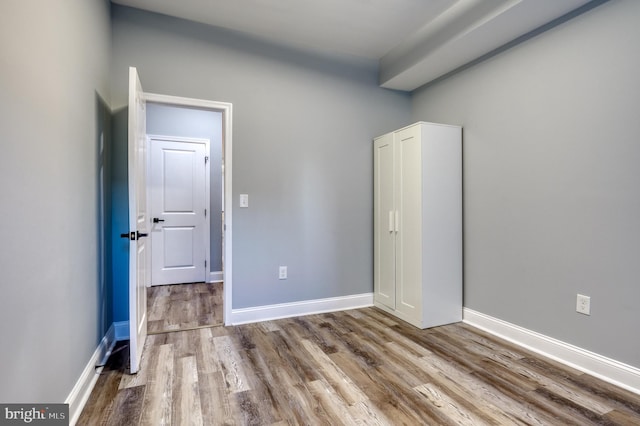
(178, 191)
(138, 222)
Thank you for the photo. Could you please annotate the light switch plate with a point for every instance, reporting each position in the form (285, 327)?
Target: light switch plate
(282, 273)
(244, 200)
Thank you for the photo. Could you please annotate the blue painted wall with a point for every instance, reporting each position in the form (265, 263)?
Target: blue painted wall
(119, 216)
(104, 147)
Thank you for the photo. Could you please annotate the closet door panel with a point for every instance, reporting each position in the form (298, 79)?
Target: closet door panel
(384, 222)
(409, 238)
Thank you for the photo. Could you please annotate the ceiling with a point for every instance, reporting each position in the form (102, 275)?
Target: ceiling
(415, 41)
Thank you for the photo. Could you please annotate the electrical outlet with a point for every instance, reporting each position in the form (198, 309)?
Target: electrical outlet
(282, 274)
(583, 304)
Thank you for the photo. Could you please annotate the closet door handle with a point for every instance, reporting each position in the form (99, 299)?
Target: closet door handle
(397, 221)
(391, 221)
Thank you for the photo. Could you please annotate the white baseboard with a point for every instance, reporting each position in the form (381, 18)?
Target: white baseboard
(607, 369)
(121, 330)
(83, 387)
(307, 307)
(216, 277)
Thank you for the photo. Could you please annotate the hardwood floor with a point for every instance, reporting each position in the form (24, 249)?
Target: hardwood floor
(183, 306)
(346, 368)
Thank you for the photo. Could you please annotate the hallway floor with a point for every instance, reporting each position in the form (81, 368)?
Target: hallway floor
(183, 306)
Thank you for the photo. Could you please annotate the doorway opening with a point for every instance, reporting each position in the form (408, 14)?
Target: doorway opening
(179, 302)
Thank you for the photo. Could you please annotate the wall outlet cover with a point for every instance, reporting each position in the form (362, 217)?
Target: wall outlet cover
(583, 304)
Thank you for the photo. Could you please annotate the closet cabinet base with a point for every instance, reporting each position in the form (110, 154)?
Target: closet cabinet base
(420, 323)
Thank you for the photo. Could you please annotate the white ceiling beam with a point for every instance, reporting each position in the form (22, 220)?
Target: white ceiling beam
(467, 31)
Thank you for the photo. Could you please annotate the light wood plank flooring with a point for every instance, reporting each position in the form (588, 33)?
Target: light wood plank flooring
(183, 306)
(359, 367)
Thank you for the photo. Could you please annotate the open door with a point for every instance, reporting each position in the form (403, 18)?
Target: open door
(138, 222)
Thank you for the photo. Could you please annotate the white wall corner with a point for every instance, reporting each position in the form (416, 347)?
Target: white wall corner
(87, 380)
(607, 369)
(306, 307)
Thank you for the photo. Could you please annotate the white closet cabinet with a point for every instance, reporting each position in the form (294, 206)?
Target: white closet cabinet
(418, 224)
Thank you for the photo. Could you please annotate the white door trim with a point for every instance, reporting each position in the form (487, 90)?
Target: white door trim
(207, 192)
(226, 109)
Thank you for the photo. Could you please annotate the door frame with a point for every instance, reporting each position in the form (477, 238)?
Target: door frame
(207, 195)
(226, 109)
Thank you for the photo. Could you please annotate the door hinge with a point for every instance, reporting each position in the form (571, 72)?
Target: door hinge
(205, 263)
(205, 212)
(206, 158)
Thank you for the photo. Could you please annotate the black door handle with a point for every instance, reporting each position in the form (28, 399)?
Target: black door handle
(156, 220)
(134, 235)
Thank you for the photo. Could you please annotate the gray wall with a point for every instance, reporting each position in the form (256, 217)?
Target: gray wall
(551, 173)
(167, 120)
(54, 92)
(302, 148)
